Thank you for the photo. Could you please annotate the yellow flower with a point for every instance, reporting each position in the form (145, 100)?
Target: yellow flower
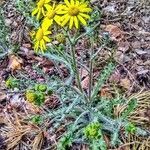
(30, 96)
(74, 12)
(41, 37)
(40, 9)
(52, 15)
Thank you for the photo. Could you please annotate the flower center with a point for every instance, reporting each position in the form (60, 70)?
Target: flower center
(73, 11)
(51, 14)
(41, 3)
(39, 35)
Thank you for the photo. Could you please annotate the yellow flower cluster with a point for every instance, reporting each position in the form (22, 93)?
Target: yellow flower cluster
(70, 12)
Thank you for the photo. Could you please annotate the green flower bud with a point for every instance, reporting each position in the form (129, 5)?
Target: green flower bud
(36, 87)
(30, 96)
(93, 131)
(12, 83)
(40, 98)
(37, 119)
(130, 128)
(50, 92)
(42, 87)
(60, 38)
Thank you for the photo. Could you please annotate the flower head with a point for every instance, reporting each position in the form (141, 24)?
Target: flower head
(42, 5)
(12, 83)
(74, 12)
(52, 15)
(41, 37)
(93, 130)
(30, 96)
(35, 97)
(130, 128)
(41, 87)
(60, 38)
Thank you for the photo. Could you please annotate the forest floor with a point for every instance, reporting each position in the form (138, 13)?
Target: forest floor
(126, 22)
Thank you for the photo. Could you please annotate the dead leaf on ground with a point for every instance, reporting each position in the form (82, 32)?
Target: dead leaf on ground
(115, 77)
(15, 63)
(125, 83)
(106, 92)
(85, 78)
(115, 32)
(1, 2)
(2, 120)
(83, 73)
(2, 96)
(85, 83)
(123, 46)
(120, 57)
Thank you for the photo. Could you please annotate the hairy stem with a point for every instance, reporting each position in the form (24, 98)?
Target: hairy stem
(76, 68)
(91, 69)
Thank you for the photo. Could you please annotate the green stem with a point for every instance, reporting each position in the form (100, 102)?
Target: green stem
(78, 80)
(84, 34)
(76, 68)
(91, 70)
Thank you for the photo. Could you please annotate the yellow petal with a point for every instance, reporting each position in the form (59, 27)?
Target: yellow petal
(36, 45)
(72, 2)
(48, 7)
(84, 15)
(47, 1)
(65, 8)
(83, 5)
(59, 7)
(77, 3)
(43, 12)
(53, 6)
(86, 10)
(38, 15)
(46, 39)
(46, 24)
(67, 2)
(76, 22)
(57, 19)
(61, 12)
(35, 12)
(71, 23)
(66, 19)
(42, 45)
(82, 20)
(47, 32)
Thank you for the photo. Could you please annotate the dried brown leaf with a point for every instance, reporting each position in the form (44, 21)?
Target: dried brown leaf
(125, 83)
(115, 32)
(85, 83)
(15, 63)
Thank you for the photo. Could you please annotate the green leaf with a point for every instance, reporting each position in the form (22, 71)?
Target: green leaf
(130, 108)
(65, 142)
(37, 119)
(62, 60)
(102, 78)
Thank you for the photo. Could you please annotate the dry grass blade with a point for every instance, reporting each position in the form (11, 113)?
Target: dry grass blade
(38, 141)
(132, 142)
(20, 133)
(141, 115)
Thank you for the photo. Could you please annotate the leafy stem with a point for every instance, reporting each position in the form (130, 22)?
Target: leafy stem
(76, 68)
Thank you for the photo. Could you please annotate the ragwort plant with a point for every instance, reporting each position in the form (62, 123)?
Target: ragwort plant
(89, 120)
